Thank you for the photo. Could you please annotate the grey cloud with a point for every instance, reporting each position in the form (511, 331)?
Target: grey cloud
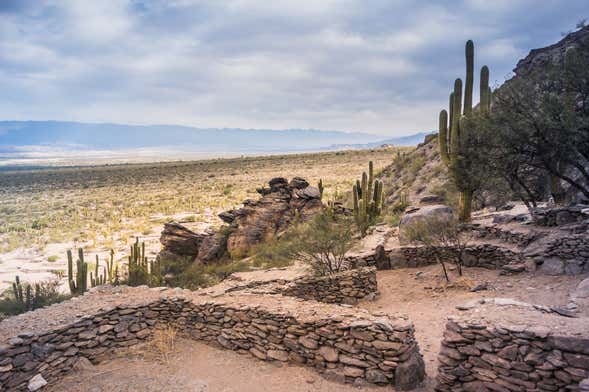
(378, 66)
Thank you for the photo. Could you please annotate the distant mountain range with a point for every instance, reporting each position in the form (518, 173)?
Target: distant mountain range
(46, 139)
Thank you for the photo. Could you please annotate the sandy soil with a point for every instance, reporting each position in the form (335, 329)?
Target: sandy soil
(419, 293)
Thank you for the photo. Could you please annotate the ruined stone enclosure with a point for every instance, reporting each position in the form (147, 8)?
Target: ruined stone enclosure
(339, 327)
(345, 344)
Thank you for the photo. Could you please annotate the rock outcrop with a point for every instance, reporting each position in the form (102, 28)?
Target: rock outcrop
(258, 220)
(281, 203)
(539, 59)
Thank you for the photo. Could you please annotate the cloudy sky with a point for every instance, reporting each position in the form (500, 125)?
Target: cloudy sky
(379, 66)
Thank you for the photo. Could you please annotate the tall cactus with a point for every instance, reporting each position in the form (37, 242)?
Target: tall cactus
(453, 137)
(80, 284)
(368, 199)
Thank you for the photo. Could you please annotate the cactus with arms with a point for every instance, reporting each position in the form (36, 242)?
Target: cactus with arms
(455, 132)
(368, 199)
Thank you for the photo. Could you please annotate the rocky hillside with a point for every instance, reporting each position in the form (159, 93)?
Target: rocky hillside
(415, 174)
(420, 172)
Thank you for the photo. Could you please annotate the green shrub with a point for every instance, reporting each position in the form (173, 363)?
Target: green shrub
(321, 243)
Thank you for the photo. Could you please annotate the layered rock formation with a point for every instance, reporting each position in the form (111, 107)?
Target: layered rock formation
(282, 203)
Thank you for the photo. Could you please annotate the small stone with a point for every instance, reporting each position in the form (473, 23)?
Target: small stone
(329, 353)
(36, 383)
(279, 355)
(375, 376)
(308, 342)
(353, 371)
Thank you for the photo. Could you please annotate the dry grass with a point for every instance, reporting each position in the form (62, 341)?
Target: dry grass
(101, 207)
(163, 342)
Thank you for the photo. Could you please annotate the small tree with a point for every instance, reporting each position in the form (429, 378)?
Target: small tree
(442, 237)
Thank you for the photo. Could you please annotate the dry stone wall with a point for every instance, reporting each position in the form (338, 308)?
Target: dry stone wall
(347, 287)
(346, 345)
(483, 255)
(478, 356)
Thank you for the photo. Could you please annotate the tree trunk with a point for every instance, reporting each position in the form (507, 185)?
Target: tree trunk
(556, 190)
(465, 205)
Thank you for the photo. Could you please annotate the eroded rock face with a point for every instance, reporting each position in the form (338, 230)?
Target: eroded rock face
(258, 220)
(262, 219)
(180, 240)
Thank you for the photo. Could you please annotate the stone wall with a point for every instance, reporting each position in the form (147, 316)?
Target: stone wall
(482, 255)
(509, 236)
(345, 345)
(479, 356)
(347, 287)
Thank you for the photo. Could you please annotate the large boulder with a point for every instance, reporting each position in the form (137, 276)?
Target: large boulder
(263, 219)
(415, 214)
(180, 240)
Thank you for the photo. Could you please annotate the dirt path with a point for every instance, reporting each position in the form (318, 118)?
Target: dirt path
(417, 293)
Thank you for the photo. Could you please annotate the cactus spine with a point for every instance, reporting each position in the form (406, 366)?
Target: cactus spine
(368, 199)
(453, 137)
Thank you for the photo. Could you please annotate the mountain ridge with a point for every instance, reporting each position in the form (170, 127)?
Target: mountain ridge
(118, 136)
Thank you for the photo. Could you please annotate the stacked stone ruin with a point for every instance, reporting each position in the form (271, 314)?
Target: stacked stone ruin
(485, 356)
(344, 344)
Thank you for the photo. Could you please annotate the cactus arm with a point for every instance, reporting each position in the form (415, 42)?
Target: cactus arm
(455, 131)
(468, 85)
(485, 102)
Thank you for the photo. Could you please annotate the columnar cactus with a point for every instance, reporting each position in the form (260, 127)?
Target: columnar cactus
(80, 284)
(368, 199)
(97, 279)
(454, 134)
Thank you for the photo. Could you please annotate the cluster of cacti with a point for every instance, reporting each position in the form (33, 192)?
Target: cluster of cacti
(79, 285)
(368, 200)
(26, 299)
(141, 270)
(454, 133)
(98, 279)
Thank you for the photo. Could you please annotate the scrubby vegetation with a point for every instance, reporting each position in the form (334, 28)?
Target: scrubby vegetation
(102, 207)
(23, 296)
(320, 243)
(444, 238)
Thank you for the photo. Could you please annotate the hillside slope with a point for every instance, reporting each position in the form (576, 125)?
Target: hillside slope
(421, 172)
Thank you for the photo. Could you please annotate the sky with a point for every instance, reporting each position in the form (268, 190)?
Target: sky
(376, 66)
